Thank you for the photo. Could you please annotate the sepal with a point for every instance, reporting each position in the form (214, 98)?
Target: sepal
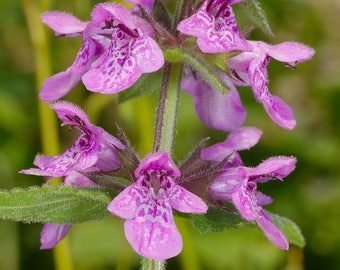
(257, 15)
(222, 218)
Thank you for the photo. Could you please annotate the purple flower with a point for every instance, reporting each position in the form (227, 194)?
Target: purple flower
(241, 139)
(214, 25)
(216, 110)
(51, 234)
(252, 68)
(94, 150)
(93, 45)
(239, 185)
(132, 51)
(147, 205)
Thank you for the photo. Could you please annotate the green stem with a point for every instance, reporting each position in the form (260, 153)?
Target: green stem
(165, 127)
(179, 12)
(149, 264)
(167, 108)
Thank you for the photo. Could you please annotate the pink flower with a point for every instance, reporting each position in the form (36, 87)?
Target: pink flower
(94, 150)
(147, 207)
(105, 65)
(93, 45)
(252, 68)
(132, 51)
(216, 110)
(214, 25)
(240, 139)
(239, 185)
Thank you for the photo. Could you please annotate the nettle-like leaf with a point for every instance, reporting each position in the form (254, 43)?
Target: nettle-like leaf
(290, 230)
(54, 204)
(257, 15)
(146, 85)
(219, 220)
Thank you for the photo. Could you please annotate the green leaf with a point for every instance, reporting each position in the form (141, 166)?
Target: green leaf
(216, 220)
(219, 220)
(54, 204)
(290, 230)
(146, 85)
(200, 63)
(257, 15)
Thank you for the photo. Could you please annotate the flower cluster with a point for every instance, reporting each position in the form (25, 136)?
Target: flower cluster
(119, 46)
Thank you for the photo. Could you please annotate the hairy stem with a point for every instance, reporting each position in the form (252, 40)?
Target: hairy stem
(167, 108)
(149, 264)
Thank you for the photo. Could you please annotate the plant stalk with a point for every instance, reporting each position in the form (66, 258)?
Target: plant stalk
(149, 264)
(167, 108)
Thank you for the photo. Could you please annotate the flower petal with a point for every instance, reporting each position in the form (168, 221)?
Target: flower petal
(273, 168)
(152, 239)
(75, 179)
(289, 52)
(52, 234)
(273, 233)
(115, 70)
(220, 111)
(157, 161)
(240, 139)
(279, 112)
(123, 63)
(63, 23)
(277, 109)
(216, 110)
(124, 204)
(148, 55)
(227, 183)
(263, 199)
(105, 12)
(185, 201)
(58, 85)
(214, 33)
(246, 203)
(71, 114)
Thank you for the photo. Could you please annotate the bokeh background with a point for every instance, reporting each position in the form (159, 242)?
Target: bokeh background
(310, 195)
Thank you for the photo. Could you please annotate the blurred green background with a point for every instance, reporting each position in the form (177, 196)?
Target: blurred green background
(310, 195)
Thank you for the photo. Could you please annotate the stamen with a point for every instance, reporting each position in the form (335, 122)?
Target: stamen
(79, 121)
(126, 30)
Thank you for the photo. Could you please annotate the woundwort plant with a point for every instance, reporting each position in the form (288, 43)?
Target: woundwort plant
(199, 49)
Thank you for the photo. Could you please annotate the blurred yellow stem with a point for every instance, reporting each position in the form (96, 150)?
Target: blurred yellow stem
(48, 123)
(188, 256)
(143, 114)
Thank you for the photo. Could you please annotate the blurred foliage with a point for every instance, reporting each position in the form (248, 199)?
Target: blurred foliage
(310, 196)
